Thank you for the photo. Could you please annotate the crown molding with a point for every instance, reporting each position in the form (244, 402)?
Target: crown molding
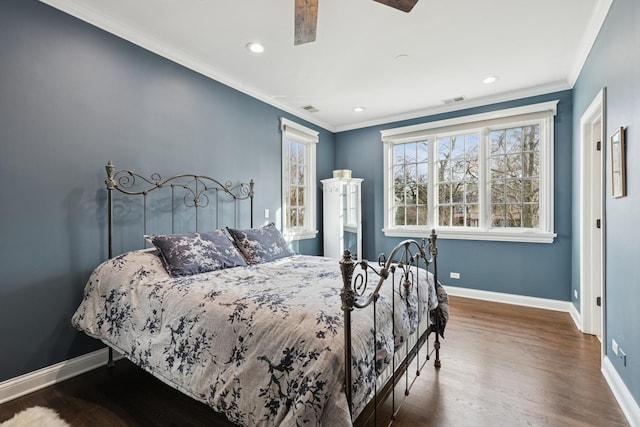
(470, 103)
(591, 34)
(86, 13)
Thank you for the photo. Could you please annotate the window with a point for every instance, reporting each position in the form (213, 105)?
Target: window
(458, 180)
(410, 183)
(482, 177)
(298, 180)
(514, 159)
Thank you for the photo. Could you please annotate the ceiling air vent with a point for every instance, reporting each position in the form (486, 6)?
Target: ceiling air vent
(310, 108)
(454, 100)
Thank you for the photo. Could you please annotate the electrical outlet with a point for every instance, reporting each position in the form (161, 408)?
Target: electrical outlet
(575, 293)
(454, 275)
(266, 214)
(614, 346)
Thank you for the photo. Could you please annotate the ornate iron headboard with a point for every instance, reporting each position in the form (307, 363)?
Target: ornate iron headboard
(199, 191)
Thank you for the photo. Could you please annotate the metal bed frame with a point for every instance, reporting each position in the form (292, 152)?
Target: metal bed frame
(197, 192)
(404, 258)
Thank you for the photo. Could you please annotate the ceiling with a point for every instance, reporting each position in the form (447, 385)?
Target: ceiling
(395, 65)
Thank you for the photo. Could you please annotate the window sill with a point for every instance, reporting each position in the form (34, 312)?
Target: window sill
(299, 235)
(524, 236)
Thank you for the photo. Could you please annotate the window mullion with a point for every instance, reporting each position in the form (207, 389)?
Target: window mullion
(388, 185)
(484, 189)
(546, 178)
(432, 200)
(307, 185)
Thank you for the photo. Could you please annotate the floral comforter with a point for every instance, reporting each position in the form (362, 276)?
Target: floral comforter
(261, 344)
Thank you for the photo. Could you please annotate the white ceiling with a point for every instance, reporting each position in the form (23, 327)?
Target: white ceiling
(534, 46)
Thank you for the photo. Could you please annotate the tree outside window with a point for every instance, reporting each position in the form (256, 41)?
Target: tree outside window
(483, 177)
(298, 180)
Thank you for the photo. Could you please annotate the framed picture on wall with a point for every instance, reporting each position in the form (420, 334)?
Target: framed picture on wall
(618, 173)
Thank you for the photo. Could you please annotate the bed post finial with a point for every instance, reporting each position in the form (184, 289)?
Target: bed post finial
(251, 188)
(433, 237)
(110, 181)
(347, 266)
(433, 249)
(348, 295)
(111, 185)
(251, 196)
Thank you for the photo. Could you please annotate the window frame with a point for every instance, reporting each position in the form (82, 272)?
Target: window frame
(542, 114)
(309, 138)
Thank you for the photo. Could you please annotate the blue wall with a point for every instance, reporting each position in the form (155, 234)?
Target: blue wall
(73, 97)
(614, 63)
(530, 269)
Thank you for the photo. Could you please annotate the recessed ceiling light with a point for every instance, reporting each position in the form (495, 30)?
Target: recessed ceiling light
(490, 79)
(358, 109)
(255, 47)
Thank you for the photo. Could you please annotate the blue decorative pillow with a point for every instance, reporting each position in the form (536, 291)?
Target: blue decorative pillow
(192, 253)
(261, 244)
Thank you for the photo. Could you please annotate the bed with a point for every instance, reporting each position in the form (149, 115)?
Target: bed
(230, 316)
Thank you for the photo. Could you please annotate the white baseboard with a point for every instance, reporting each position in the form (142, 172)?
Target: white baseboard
(576, 316)
(621, 392)
(36, 380)
(547, 304)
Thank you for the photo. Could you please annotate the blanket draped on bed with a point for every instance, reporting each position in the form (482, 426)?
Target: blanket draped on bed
(261, 344)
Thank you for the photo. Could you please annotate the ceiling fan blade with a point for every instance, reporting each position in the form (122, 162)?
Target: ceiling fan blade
(403, 5)
(306, 21)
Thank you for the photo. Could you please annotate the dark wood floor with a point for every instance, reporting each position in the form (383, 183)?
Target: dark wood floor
(502, 365)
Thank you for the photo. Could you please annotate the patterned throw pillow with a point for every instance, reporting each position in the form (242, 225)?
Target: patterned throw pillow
(192, 253)
(261, 244)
